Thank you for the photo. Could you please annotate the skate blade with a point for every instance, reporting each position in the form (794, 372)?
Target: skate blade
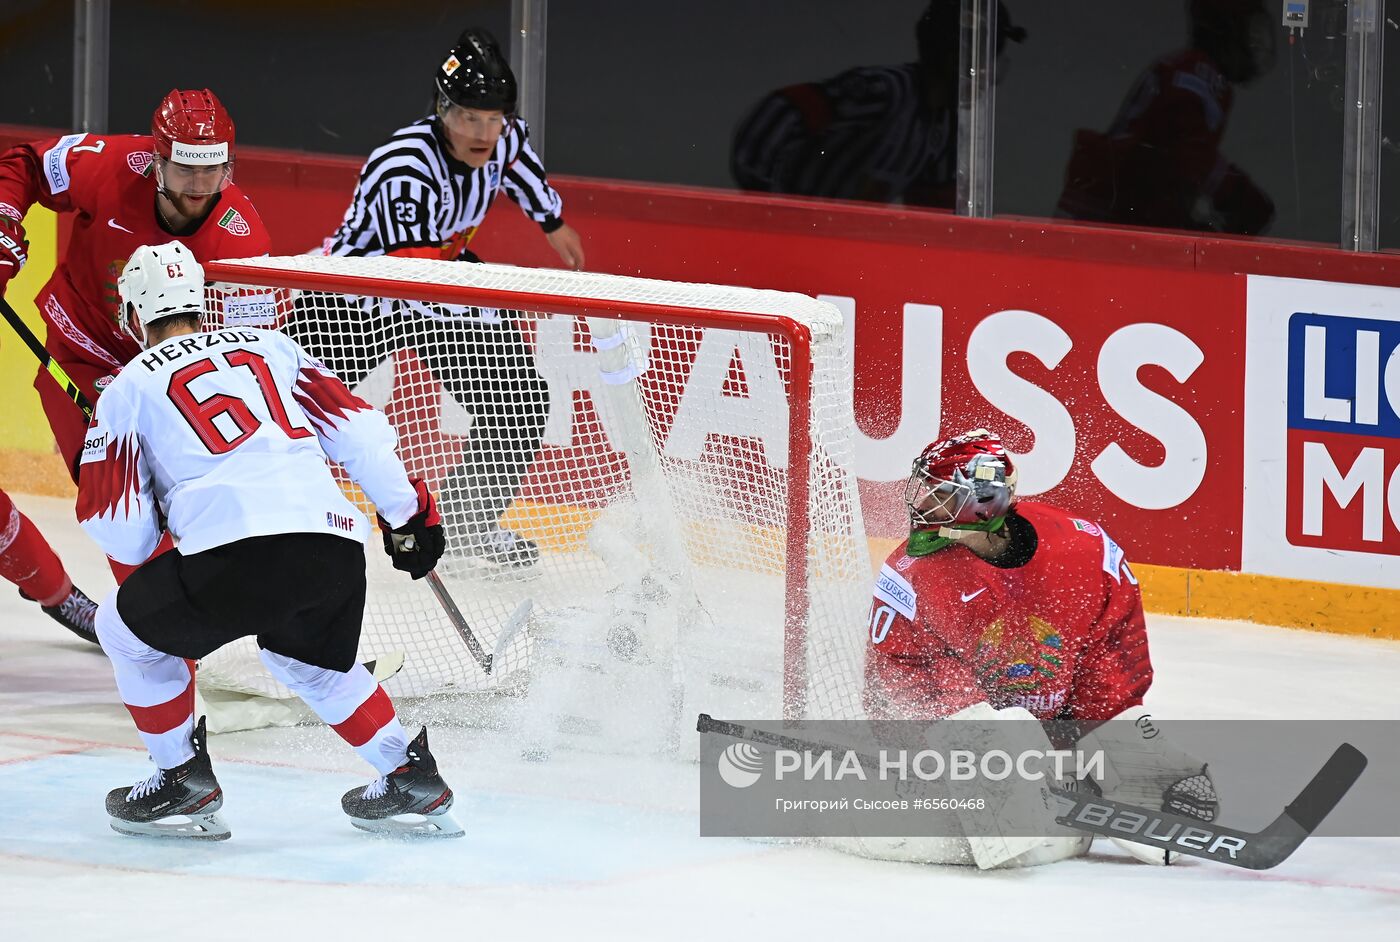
(471, 566)
(413, 826)
(194, 827)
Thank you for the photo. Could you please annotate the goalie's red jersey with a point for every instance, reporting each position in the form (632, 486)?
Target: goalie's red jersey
(1062, 635)
(109, 185)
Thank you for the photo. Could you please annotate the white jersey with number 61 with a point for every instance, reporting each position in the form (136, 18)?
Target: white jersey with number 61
(224, 435)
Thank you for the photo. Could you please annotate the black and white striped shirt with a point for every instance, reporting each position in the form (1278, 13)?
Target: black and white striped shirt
(869, 134)
(413, 194)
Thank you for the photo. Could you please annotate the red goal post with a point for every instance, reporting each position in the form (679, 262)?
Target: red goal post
(808, 343)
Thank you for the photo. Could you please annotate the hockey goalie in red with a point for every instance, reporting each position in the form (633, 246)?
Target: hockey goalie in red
(995, 607)
(223, 439)
(123, 191)
(1014, 603)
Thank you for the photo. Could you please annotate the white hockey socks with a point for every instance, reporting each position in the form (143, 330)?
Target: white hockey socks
(351, 703)
(157, 688)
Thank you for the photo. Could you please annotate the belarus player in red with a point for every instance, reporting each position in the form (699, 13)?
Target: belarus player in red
(1009, 602)
(27, 560)
(1005, 609)
(124, 191)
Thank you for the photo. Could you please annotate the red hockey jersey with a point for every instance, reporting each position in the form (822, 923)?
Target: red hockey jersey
(109, 184)
(1062, 635)
(1160, 163)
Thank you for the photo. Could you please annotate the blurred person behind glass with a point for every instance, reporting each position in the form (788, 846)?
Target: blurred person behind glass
(885, 134)
(1159, 163)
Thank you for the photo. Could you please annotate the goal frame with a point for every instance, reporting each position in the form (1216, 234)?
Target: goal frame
(797, 334)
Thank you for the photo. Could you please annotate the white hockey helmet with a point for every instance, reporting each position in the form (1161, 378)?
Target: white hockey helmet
(159, 281)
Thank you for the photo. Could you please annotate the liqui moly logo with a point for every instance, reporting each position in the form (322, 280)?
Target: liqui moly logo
(1343, 439)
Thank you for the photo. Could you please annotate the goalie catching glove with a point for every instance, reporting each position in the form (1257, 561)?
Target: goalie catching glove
(416, 546)
(1145, 768)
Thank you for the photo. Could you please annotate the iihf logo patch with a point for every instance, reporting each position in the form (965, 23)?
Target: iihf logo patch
(493, 174)
(140, 162)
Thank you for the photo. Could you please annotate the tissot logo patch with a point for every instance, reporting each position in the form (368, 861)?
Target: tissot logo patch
(94, 445)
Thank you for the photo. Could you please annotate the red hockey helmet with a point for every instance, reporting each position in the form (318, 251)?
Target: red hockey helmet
(193, 127)
(969, 479)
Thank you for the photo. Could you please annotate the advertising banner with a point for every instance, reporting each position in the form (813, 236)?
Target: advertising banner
(1322, 439)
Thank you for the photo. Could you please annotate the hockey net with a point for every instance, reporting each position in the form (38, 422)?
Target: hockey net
(678, 454)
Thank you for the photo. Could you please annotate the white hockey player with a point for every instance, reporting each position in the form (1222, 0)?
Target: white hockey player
(221, 438)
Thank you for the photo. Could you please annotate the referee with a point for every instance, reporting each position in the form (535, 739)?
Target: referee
(423, 193)
(883, 134)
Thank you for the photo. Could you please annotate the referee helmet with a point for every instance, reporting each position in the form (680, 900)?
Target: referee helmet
(475, 74)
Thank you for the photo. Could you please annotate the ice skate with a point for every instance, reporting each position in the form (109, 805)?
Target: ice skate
(414, 789)
(501, 548)
(77, 613)
(189, 792)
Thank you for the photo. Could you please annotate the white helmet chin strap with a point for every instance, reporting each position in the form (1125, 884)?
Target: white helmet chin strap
(128, 315)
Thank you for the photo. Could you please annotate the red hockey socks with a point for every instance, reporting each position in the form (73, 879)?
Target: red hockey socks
(27, 560)
(157, 688)
(351, 703)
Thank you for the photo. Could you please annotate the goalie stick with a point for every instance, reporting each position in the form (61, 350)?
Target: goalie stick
(1257, 850)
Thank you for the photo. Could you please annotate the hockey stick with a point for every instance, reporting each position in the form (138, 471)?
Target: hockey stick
(81, 401)
(459, 623)
(46, 359)
(1258, 850)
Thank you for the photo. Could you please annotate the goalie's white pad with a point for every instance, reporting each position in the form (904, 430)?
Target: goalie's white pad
(1143, 767)
(1011, 805)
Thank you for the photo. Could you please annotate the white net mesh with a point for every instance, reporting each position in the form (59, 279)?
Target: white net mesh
(612, 462)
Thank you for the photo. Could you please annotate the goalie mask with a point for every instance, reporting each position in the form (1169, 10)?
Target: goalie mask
(962, 483)
(159, 281)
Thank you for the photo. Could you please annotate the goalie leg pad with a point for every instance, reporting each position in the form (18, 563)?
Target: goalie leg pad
(1012, 805)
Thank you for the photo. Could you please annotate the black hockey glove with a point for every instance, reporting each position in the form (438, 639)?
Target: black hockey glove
(416, 546)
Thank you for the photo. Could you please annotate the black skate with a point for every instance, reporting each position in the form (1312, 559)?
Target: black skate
(414, 788)
(189, 791)
(77, 613)
(502, 548)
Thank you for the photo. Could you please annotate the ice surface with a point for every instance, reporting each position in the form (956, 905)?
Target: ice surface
(589, 846)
